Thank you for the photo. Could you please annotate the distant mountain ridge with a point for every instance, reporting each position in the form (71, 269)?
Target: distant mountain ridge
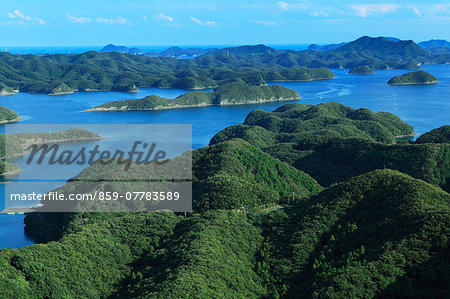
(175, 52)
(435, 43)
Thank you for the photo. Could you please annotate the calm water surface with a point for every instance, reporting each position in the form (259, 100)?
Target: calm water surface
(424, 107)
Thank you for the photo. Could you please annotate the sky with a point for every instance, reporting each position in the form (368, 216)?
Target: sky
(225, 22)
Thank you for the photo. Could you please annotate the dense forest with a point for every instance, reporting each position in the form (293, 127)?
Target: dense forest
(59, 74)
(261, 225)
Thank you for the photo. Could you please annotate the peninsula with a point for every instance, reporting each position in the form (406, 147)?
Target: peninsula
(17, 144)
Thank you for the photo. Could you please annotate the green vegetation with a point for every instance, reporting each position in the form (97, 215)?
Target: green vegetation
(59, 74)
(230, 94)
(7, 115)
(439, 135)
(292, 123)
(361, 70)
(16, 144)
(382, 234)
(414, 78)
(262, 228)
(5, 90)
(332, 142)
(234, 174)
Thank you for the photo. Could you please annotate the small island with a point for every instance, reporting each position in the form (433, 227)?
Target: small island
(361, 70)
(414, 78)
(230, 94)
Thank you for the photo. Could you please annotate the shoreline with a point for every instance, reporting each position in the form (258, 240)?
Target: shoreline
(10, 121)
(404, 84)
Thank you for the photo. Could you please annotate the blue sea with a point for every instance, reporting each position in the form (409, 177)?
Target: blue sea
(424, 107)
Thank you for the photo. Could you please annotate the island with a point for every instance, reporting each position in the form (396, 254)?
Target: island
(17, 144)
(232, 95)
(414, 78)
(361, 70)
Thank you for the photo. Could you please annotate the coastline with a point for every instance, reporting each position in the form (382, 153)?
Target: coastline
(10, 121)
(404, 84)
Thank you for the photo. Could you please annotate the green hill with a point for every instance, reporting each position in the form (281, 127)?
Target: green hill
(361, 70)
(294, 122)
(439, 135)
(124, 72)
(234, 174)
(333, 142)
(381, 234)
(414, 78)
(232, 95)
(7, 115)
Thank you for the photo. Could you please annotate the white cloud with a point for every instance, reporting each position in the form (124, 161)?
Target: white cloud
(264, 22)
(21, 18)
(283, 5)
(206, 23)
(319, 14)
(364, 10)
(119, 20)
(78, 20)
(287, 6)
(431, 10)
(163, 17)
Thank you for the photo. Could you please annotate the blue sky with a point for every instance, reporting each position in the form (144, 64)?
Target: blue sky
(139, 22)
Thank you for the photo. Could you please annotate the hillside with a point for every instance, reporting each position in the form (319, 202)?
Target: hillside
(125, 72)
(333, 142)
(439, 135)
(229, 96)
(16, 144)
(379, 234)
(435, 43)
(361, 70)
(7, 115)
(414, 78)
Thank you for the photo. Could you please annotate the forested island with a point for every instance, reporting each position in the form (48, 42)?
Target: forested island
(17, 144)
(235, 93)
(414, 78)
(306, 201)
(361, 70)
